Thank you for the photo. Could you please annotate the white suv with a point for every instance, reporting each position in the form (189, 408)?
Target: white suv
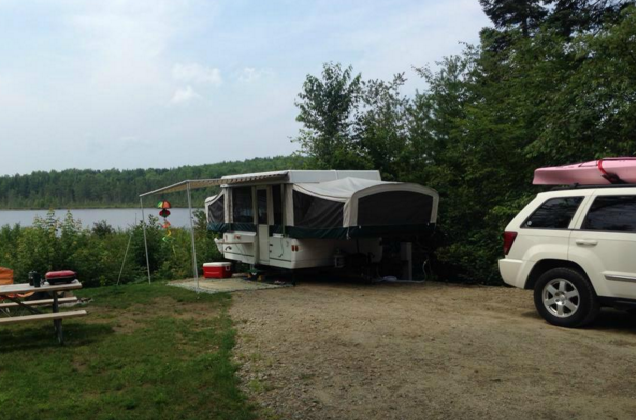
(576, 247)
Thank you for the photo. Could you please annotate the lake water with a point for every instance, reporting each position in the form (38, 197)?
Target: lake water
(118, 218)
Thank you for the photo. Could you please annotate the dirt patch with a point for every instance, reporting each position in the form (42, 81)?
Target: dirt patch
(78, 364)
(434, 351)
(229, 285)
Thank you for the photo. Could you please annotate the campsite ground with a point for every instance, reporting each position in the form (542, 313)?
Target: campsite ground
(320, 350)
(437, 351)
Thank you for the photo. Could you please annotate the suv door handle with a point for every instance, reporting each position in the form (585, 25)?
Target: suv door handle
(586, 242)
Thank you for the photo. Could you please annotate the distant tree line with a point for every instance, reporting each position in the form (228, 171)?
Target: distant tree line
(554, 82)
(84, 188)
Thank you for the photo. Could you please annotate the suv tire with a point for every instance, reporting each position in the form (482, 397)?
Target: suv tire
(566, 298)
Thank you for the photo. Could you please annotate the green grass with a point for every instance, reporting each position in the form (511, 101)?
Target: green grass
(144, 352)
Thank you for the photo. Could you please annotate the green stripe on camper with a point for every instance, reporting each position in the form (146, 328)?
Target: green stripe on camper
(358, 231)
(324, 233)
(390, 230)
(229, 227)
(329, 233)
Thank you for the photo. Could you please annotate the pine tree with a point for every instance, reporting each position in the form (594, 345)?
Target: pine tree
(526, 14)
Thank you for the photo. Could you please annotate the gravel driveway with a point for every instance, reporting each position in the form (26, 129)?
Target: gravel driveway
(433, 351)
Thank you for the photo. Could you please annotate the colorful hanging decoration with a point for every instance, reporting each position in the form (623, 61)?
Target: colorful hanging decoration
(164, 206)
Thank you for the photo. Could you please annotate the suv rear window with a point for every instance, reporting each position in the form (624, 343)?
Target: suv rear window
(556, 213)
(612, 212)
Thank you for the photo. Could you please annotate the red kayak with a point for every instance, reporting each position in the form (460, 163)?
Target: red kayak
(620, 170)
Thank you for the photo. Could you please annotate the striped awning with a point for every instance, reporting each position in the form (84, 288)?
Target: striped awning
(194, 184)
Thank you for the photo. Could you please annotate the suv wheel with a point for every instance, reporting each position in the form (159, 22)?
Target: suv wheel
(565, 297)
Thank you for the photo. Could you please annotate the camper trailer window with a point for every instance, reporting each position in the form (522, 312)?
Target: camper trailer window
(395, 208)
(314, 212)
(242, 211)
(216, 210)
(278, 204)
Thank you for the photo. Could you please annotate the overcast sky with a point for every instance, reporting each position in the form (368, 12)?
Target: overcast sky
(165, 83)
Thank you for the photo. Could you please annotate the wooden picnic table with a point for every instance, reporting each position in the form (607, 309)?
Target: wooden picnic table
(12, 293)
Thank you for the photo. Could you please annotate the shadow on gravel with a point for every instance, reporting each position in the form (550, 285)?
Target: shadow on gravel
(608, 320)
(532, 314)
(615, 320)
(330, 279)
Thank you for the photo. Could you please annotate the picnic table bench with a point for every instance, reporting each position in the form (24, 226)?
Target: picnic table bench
(13, 291)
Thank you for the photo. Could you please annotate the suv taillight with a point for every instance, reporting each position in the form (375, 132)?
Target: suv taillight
(509, 239)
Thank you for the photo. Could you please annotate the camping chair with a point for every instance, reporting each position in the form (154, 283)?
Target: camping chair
(6, 278)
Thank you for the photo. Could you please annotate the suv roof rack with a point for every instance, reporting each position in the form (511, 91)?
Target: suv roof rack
(582, 187)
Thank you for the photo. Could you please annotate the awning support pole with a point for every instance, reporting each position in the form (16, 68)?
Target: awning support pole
(194, 250)
(143, 225)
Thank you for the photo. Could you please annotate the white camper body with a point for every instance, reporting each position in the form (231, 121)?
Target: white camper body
(291, 253)
(301, 219)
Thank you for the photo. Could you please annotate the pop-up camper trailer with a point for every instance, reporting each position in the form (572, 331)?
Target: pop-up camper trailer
(300, 219)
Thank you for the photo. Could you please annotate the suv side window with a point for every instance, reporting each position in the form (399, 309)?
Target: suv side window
(612, 212)
(556, 213)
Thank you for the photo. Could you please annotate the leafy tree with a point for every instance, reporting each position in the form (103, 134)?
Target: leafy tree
(102, 229)
(570, 17)
(525, 14)
(327, 107)
(380, 128)
(158, 250)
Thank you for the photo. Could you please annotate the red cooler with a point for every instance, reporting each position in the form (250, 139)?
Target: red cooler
(60, 277)
(217, 270)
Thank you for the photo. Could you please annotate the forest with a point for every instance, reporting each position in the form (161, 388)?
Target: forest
(85, 188)
(551, 82)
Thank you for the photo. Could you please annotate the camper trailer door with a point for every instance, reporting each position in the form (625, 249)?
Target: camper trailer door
(262, 202)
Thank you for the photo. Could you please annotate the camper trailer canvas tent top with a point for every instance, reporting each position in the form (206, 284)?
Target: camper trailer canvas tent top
(300, 219)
